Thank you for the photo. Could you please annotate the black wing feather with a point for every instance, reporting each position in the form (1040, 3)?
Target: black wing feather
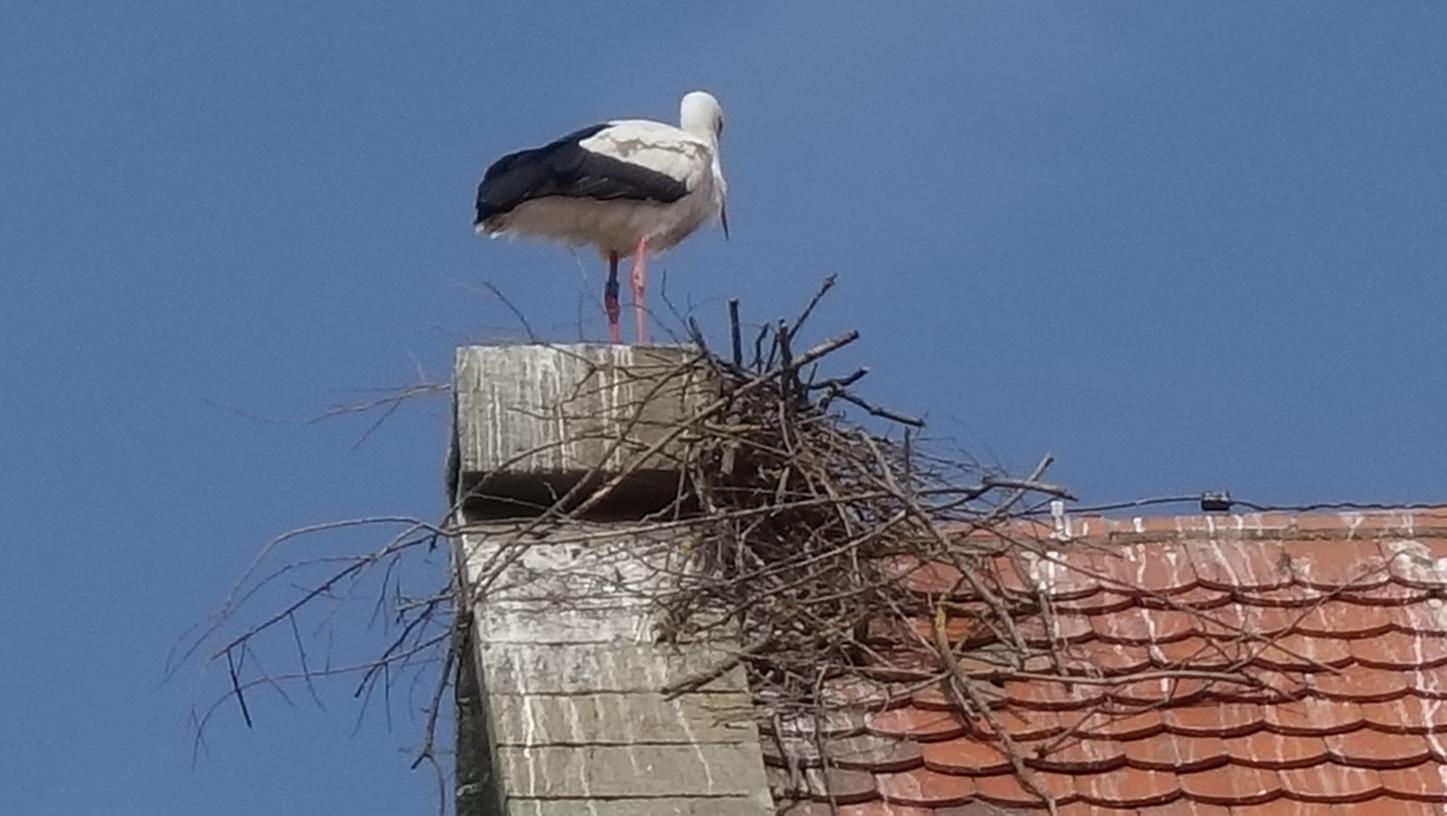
(565, 168)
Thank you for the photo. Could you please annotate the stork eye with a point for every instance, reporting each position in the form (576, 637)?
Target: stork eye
(718, 131)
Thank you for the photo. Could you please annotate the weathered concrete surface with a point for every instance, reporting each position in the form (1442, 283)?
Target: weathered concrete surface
(573, 677)
(583, 668)
(537, 623)
(533, 420)
(597, 569)
(611, 771)
(565, 630)
(612, 718)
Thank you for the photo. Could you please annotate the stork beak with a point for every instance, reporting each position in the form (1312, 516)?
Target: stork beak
(723, 216)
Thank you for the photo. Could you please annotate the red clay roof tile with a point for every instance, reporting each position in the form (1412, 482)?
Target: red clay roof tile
(983, 808)
(1076, 755)
(1237, 619)
(1129, 788)
(933, 697)
(821, 785)
(873, 808)
(1408, 715)
(1103, 602)
(1426, 782)
(1296, 596)
(1182, 807)
(1312, 716)
(1235, 786)
(1233, 567)
(1262, 687)
(1111, 658)
(1291, 666)
(1267, 749)
(1368, 749)
(1053, 694)
(1169, 752)
(1299, 653)
(867, 752)
(1130, 724)
(1140, 625)
(1223, 720)
(1198, 652)
(1006, 790)
(1162, 689)
(1155, 569)
(1331, 783)
(1023, 724)
(1388, 594)
(1346, 620)
(914, 723)
(1428, 617)
(1291, 807)
(1064, 575)
(1336, 563)
(1362, 684)
(925, 788)
(966, 756)
(1065, 627)
(1414, 564)
(1196, 598)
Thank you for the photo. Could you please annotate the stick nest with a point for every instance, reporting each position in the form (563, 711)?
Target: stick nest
(804, 515)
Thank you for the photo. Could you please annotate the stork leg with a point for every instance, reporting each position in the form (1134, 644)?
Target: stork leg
(610, 300)
(639, 279)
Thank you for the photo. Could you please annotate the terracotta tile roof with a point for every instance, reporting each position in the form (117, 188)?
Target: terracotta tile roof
(1339, 621)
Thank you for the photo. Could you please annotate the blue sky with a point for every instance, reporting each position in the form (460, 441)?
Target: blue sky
(1180, 245)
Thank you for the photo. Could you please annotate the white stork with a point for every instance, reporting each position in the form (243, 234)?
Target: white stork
(627, 187)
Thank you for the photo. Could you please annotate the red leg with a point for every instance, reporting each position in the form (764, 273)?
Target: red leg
(610, 300)
(640, 278)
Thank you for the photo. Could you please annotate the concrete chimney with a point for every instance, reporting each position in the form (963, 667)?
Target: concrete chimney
(560, 706)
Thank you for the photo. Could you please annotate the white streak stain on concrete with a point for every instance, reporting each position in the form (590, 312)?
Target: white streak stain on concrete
(693, 740)
(550, 395)
(613, 392)
(577, 736)
(611, 682)
(494, 428)
(530, 727)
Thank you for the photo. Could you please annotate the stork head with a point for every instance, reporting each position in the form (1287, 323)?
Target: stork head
(701, 115)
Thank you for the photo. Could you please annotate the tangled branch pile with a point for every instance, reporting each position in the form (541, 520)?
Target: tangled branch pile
(809, 523)
(805, 530)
